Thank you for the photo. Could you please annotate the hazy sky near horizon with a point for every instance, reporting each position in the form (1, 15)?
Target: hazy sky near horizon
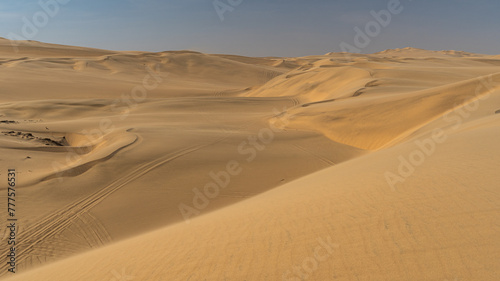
(254, 27)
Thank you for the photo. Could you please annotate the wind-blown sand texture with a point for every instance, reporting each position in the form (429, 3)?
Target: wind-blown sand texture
(385, 166)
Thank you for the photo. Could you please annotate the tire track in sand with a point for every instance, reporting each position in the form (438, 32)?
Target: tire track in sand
(56, 223)
(322, 158)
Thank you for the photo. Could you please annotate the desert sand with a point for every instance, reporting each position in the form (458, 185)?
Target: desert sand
(181, 165)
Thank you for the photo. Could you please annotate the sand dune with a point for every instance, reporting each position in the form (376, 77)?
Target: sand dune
(416, 52)
(11, 48)
(331, 167)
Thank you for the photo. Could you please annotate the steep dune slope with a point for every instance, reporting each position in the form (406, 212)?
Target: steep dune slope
(371, 104)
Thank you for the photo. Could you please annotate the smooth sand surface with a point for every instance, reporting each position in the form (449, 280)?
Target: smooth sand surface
(188, 166)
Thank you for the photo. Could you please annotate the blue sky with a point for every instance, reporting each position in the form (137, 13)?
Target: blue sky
(257, 27)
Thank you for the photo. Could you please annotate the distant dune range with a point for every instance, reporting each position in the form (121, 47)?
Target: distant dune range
(101, 176)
